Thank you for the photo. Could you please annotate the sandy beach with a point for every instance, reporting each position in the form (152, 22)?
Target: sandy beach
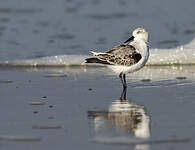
(47, 110)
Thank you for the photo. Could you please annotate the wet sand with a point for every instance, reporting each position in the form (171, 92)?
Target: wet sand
(79, 110)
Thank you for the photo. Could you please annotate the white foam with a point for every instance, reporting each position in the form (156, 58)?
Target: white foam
(178, 56)
(60, 60)
(183, 55)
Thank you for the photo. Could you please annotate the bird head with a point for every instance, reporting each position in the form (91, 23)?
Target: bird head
(140, 33)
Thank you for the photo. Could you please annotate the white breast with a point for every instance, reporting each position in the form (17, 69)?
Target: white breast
(120, 69)
(128, 69)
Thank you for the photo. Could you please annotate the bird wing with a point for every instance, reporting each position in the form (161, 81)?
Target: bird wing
(123, 54)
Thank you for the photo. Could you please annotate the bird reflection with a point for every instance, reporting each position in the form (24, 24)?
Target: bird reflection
(122, 118)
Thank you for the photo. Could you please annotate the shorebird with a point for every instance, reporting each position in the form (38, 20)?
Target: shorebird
(128, 57)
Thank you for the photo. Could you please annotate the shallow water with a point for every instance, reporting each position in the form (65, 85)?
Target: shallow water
(145, 76)
(64, 121)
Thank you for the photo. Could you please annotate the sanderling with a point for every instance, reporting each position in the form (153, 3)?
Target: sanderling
(128, 57)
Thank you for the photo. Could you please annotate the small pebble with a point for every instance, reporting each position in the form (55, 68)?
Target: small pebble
(46, 127)
(6, 81)
(35, 31)
(181, 78)
(36, 103)
(50, 106)
(44, 97)
(51, 41)
(51, 117)
(35, 112)
(90, 89)
(55, 75)
(145, 80)
(17, 138)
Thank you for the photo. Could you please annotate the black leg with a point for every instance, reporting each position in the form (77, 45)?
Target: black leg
(123, 95)
(121, 77)
(123, 80)
(125, 84)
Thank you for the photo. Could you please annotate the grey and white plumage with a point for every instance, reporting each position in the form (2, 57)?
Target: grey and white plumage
(128, 57)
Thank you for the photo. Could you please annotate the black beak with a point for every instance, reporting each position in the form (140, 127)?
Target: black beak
(130, 39)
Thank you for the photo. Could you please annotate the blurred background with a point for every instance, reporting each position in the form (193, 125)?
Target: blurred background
(37, 28)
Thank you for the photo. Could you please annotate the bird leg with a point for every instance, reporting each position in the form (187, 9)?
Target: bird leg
(123, 95)
(123, 80)
(121, 77)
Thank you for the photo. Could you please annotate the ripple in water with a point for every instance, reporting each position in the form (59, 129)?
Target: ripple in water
(119, 15)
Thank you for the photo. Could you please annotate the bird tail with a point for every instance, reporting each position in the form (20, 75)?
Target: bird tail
(91, 60)
(96, 60)
(96, 53)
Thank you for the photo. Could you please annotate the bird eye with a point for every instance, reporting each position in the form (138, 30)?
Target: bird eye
(138, 32)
